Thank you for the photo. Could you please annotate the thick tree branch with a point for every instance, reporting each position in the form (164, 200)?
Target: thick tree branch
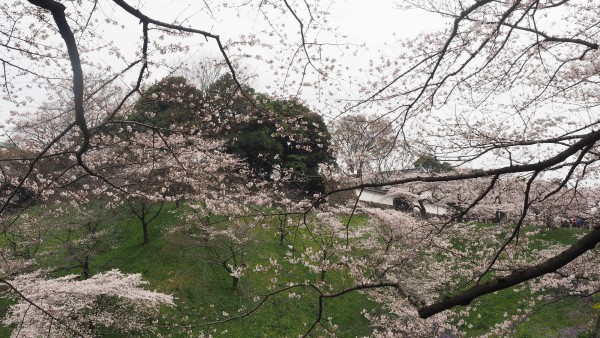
(585, 141)
(58, 13)
(148, 20)
(587, 243)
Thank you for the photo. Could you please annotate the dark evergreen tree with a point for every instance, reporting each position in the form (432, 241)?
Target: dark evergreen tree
(171, 102)
(430, 164)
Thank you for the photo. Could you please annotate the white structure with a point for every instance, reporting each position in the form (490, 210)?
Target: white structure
(381, 198)
(376, 196)
(435, 209)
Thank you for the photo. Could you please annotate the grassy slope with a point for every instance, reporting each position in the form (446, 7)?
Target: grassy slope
(569, 317)
(4, 330)
(174, 264)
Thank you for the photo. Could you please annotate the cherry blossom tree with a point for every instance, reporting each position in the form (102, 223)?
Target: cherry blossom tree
(494, 53)
(65, 307)
(508, 91)
(366, 145)
(228, 246)
(146, 169)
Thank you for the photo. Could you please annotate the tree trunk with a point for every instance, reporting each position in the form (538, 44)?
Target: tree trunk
(234, 283)
(146, 238)
(322, 275)
(86, 267)
(282, 228)
(422, 210)
(234, 280)
(323, 271)
(281, 235)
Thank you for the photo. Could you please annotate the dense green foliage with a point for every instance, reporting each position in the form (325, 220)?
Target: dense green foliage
(280, 135)
(170, 102)
(430, 164)
(290, 137)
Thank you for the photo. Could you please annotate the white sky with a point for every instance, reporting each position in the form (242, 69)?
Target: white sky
(371, 24)
(376, 24)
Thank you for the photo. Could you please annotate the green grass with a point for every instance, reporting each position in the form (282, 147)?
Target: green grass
(490, 310)
(545, 236)
(559, 319)
(175, 263)
(568, 317)
(4, 304)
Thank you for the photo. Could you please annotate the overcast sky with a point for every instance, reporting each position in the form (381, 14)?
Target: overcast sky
(376, 26)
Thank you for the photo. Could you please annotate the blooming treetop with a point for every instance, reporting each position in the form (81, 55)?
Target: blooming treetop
(66, 307)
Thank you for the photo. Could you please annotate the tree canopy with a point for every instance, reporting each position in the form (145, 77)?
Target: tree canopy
(287, 136)
(431, 164)
(366, 145)
(170, 102)
(270, 134)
